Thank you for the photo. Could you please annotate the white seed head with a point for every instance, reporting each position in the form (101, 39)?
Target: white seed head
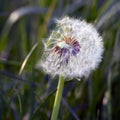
(74, 49)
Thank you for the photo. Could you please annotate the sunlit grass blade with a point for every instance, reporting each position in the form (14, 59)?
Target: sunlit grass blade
(21, 70)
(27, 58)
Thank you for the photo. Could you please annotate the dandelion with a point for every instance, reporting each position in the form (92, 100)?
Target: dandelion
(73, 49)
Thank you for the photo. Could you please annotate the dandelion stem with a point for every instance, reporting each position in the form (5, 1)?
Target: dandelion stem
(58, 98)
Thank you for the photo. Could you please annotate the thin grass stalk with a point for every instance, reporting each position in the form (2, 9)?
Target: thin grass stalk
(20, 72)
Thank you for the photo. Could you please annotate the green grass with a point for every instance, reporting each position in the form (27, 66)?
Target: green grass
(21, 47)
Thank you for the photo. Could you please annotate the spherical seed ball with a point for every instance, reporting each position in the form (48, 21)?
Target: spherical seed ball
(74, 49)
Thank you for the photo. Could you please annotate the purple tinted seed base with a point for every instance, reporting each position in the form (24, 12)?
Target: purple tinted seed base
(65, 53)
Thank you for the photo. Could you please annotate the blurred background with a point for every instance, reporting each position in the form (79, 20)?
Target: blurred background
(27, 93)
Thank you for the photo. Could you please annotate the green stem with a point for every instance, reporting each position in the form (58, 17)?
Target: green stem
(58, 98)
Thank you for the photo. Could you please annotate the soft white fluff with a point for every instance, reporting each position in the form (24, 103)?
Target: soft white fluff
(85, 61)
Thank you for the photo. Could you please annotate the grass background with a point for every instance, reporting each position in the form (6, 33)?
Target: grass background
(27, 93)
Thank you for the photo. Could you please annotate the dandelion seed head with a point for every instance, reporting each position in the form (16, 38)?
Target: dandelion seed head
(74, 49)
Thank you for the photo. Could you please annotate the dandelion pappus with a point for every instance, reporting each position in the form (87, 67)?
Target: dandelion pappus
(74, 49)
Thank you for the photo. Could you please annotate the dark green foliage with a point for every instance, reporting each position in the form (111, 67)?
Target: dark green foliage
(28, 92)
